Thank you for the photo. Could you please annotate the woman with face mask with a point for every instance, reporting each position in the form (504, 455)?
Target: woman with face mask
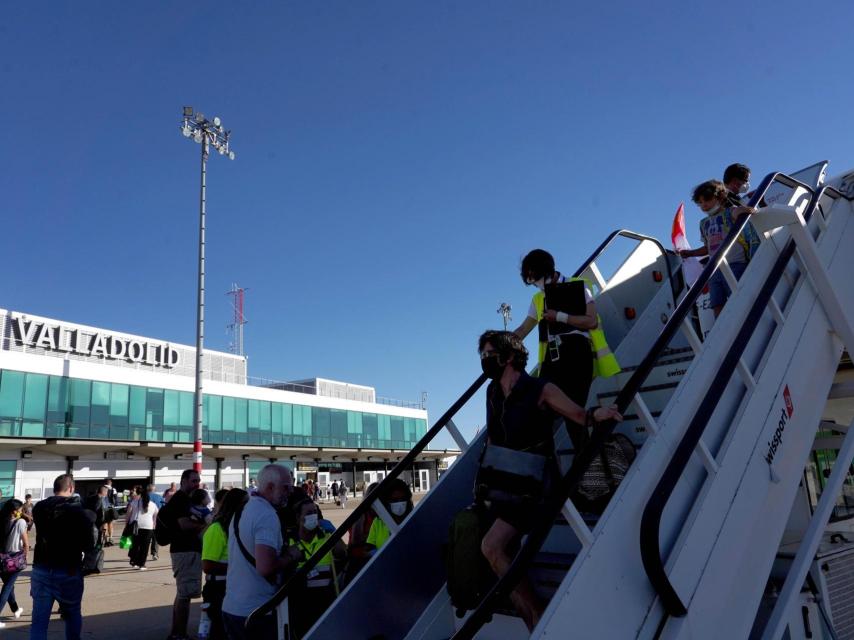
(398, 502)
(322, 582)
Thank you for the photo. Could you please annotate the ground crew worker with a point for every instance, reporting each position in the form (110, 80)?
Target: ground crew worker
(321, 586)
(572, 348)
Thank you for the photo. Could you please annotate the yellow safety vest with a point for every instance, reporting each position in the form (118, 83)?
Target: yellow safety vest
(604, 362)
(322, 574)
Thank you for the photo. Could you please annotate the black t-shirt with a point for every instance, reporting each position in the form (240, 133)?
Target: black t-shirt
(190, 540)
(64, 530)
(517, 421)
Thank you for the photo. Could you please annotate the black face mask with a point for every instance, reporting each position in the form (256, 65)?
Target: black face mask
(492, 367)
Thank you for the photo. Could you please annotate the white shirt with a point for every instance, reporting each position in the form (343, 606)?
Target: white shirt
(247, 590)
(146, 519)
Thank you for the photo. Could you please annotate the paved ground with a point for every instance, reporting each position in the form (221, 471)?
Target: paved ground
(123, 602)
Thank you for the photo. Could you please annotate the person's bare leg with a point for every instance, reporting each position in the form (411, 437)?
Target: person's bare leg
(494, 548)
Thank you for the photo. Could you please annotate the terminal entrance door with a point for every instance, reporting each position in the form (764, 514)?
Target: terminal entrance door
(422, 482)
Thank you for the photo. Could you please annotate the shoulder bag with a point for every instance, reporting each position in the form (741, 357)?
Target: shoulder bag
(12, 561)
(512, 477)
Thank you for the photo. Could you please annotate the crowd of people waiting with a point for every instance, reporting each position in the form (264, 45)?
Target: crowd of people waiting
(232, 550)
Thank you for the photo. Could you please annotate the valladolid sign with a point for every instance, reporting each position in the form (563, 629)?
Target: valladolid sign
(98, 344)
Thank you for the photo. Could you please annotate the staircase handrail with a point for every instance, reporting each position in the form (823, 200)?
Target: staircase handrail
(633, 235)
(552, 508)
(367, 501)
(406, 462)
(654, 508)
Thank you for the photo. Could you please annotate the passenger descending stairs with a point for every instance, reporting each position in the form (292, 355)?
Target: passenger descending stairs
(686, 546)
(403, 586)
(709, 530)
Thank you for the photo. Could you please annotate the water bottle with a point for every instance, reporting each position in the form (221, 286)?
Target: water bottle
(204, 622)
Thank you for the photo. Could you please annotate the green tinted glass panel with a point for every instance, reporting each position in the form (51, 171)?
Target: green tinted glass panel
(265, 415)
(170, 408)
(185, 408)
(302, 420)
(384, 427)
(397, 431)
(228, 414)
(287, 419)
(354, 422)
(11, 393)
(79, 401)
(241, 412)
(57, 399)
(100, 403)
(339, 427)
(254, 414)
(119, 405)
(137, 406)
(276, 417)
(420, 428)
(320, 422)
(370, 427)
(213, 414)
(154, 408)
(35, 396)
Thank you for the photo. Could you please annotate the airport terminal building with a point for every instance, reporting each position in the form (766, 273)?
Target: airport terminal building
(101, 403)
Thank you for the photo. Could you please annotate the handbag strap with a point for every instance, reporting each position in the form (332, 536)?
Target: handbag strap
(240, 544)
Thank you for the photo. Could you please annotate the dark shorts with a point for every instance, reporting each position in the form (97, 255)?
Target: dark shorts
(520, 517)
(719, 290)
(523, 516)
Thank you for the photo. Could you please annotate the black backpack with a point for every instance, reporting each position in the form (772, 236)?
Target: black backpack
(164, 526)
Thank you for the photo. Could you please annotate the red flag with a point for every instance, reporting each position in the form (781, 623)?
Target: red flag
(677, 235)
(691, 267)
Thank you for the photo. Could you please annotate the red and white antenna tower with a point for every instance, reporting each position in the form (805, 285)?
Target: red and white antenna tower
(236, 326)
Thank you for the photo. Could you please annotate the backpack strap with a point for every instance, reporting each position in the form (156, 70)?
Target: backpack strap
(240, 544)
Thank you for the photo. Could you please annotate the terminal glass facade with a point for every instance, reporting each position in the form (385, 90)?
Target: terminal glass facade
(41, 406)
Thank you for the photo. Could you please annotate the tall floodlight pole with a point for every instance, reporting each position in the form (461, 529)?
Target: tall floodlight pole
(208, 133)
(505, 310)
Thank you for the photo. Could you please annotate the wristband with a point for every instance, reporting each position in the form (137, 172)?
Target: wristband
(562, 317)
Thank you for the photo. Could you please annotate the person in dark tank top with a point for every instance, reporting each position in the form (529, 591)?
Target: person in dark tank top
(520, 413)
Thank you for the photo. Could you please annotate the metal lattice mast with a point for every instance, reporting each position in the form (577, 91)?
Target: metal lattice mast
(237, 294)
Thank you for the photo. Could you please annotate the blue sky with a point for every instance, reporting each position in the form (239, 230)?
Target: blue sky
(394, 160)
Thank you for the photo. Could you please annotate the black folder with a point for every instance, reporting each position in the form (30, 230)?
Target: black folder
(567, 297)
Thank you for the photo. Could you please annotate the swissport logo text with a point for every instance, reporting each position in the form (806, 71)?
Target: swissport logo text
(785, 415)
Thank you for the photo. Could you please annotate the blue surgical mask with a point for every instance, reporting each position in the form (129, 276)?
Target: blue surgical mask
(744, 188)
(310, 522)
(397, 508)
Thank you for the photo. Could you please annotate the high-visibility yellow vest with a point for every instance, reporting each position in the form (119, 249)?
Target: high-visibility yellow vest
(322, 574)
(604, 362)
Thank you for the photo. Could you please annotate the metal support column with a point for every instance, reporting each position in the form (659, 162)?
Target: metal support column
(152, 470)
(218, 474)
(69, 464)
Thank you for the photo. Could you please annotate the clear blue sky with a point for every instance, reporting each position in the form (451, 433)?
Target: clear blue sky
(395, 160)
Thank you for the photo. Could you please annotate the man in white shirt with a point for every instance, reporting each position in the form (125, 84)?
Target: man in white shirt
(256, 556)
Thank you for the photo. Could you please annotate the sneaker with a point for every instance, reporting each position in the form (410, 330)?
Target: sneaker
(155, 557)
(19, 612)
(143, 568)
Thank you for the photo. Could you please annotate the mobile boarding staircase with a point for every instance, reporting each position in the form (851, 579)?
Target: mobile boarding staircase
(687, 545)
